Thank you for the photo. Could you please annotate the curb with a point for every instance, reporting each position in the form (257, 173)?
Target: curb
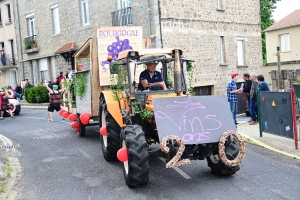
(260, 144)
(34, 107)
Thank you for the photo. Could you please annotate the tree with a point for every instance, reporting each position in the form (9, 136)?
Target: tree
(266, 9)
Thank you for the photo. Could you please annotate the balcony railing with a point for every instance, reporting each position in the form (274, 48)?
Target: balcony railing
(8, 59)
(30, 43)
(122, 17)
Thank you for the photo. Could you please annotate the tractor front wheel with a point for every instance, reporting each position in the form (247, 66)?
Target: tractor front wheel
(218, 167)
(136, 168)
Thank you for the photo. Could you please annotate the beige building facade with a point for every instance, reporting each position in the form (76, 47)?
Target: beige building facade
(285, 35)
(8, 48)
(219, 39)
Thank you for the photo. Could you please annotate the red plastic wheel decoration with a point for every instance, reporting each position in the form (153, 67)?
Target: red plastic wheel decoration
(72, 117)
(61, 112)
(66, 115)
(85, 118)
(72, 125)
(103, 131)
(122, 155)
(76, 124)
(76, 129)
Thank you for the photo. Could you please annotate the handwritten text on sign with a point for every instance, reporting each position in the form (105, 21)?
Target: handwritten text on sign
(195, 119)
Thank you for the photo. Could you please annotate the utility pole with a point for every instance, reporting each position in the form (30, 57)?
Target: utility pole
(279, 71)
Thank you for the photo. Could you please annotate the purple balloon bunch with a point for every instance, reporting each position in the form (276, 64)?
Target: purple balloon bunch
(116, 47)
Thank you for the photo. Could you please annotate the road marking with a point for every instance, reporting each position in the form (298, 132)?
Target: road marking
(66, 122)
(182, 173)
(6, 141)
(36, 118)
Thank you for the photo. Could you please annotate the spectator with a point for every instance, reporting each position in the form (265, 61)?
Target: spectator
(232, 95)
(263, 85)
(59, 79)
(23, 88)
(5, 103)
(18, 91)
(246, 90)
(69, 74)
(3, 59)
(253, 99)
(55, 96)
(50, 84)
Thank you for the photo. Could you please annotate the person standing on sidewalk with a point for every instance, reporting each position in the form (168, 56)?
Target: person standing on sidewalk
(246, 90)
(263, 85)
(253, 99)
(232, 95)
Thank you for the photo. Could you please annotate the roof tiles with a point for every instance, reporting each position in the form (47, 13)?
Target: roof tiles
(291, 20)
(70, 46)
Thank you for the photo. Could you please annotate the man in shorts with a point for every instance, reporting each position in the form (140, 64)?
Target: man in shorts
(55, 96)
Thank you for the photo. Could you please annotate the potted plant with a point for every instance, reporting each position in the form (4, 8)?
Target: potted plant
(27, 45)
(33, 44)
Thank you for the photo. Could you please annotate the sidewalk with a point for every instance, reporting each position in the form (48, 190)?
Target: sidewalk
(272, 142)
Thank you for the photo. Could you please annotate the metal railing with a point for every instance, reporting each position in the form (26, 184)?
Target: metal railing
(122, 17)
(8, 59)
(30, 42)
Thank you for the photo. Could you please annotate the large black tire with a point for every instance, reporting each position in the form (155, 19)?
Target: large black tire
(136, 169)
(218, 167)
(111, 143)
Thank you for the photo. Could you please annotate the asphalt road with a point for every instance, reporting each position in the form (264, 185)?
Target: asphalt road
(57, 164)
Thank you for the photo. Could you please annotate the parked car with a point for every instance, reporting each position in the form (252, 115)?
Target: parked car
(15, 106)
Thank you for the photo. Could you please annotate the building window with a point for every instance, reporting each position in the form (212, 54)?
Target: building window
(44, 76)
(220, 4)
(123, 4)
(31, 24)
(222, 50)
(55, 16)
(285, 42)
(240, 51)
(85, 12)
(7, 13)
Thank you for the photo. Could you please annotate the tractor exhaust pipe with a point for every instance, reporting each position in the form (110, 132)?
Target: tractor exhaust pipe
(177, 74)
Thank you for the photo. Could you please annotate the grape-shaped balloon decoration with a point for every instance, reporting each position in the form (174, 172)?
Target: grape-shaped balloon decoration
(115, 48)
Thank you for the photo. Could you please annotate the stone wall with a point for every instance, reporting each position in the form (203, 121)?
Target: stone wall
(194, 26)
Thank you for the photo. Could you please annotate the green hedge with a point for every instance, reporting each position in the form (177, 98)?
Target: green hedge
(38, 94)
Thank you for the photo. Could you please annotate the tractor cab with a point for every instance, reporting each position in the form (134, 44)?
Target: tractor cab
(132, 63)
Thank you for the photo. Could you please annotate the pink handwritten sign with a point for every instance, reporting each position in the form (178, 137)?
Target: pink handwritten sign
(195, 119)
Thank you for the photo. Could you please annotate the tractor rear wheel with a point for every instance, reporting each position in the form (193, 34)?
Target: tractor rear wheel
(111, 142)
(136, 168)
(218, 167)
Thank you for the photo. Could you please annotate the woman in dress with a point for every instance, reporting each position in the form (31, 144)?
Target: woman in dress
(5, 103)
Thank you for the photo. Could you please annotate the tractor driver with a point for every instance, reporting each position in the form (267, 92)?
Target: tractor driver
(151, 78)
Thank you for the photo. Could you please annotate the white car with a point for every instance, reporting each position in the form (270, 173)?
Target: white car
(15, 106)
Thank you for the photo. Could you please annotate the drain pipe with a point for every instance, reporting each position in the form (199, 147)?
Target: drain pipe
(159, 16)
(20, 40)
(149, 22)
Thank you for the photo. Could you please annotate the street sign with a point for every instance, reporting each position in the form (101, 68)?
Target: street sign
(275, 54)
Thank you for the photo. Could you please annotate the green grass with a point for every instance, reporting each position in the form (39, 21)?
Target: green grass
(2, 189)
(9, 170)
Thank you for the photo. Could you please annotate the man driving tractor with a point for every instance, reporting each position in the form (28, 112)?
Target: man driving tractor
(151, 78)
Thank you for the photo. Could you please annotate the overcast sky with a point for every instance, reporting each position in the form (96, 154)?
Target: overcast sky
(284, 8)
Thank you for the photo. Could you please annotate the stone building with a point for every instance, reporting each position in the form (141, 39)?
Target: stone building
(221, 36)
(8, 48)
(283, 34)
